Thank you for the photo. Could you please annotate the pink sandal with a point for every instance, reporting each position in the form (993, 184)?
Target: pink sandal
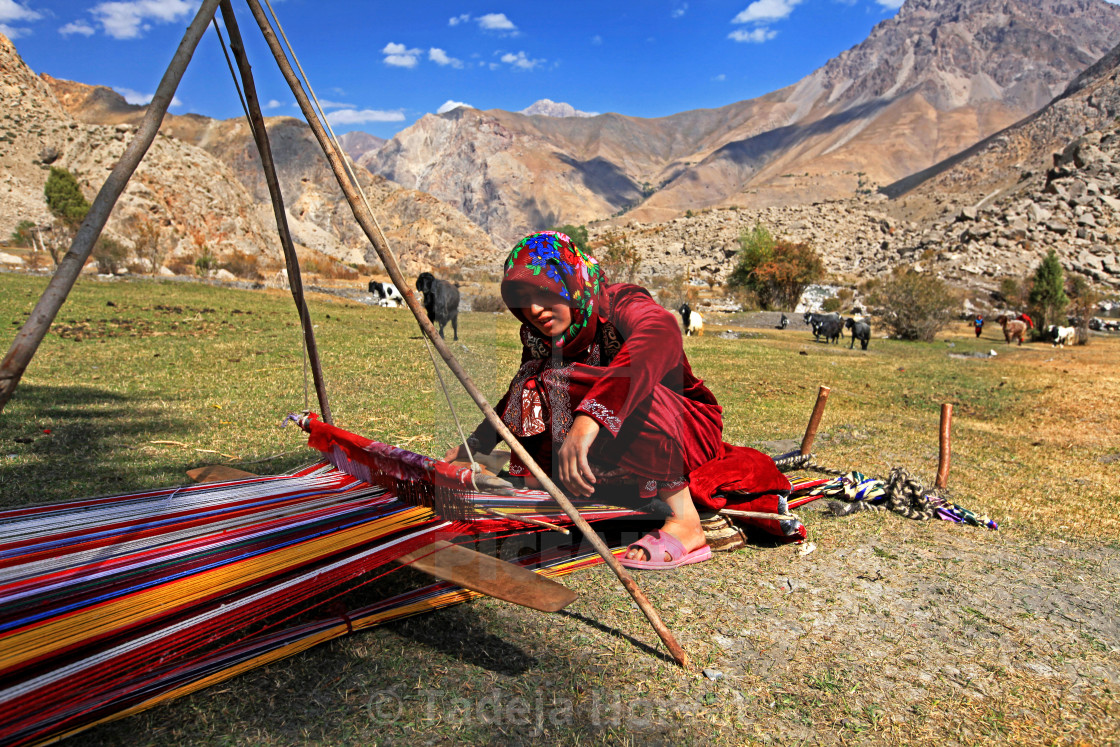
(657, 543)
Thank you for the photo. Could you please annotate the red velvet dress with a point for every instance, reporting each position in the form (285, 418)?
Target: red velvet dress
(658, 420)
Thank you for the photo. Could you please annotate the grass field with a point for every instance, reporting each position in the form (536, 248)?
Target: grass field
(138, 382)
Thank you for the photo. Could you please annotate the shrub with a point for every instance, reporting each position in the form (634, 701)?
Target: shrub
(109, 255)
(913, 305)
(831, 304)
(777, 271)
(205, 263)
(242, 264)
(488, 302)
(672, 291)
(22, 236)
(181, 265)
(151, 243)
(64, 197)
(618, 257)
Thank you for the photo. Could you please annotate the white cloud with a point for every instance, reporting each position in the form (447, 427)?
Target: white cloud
(438, 56)
(142, 99)
(398, 55)
(10, 10)
(449, 105)
(680, 10)
(496, 22)
(328, 104)
(720, 78)
(274, 104)
(77, 27)
(520, 60)
(596, 40)
(765, 11)
(456, 20)
(13, 11)
(754, 36)
(364, 116)
(896, 4)
(130, 19)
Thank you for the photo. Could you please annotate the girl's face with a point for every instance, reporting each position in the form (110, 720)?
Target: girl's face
(546, 311)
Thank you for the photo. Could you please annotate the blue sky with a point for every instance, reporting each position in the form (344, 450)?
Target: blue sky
(380, 66)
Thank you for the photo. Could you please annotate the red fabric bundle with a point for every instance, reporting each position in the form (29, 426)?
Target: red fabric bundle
(745, 479)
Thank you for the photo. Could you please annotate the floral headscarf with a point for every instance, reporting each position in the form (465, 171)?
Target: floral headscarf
(551, 261)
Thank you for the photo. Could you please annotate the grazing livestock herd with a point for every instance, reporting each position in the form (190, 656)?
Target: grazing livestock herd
(441, 302)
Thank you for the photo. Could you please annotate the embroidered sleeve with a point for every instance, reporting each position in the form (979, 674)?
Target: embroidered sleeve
(651, 350)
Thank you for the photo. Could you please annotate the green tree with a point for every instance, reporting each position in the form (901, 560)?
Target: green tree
(1048, 297)
(64, 197)
(578, 235)
(913, 305)
(776, 271)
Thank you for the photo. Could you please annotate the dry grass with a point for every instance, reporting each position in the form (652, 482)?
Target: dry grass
(892, 632)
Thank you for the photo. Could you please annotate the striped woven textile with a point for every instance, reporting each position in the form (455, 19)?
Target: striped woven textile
(110, 604)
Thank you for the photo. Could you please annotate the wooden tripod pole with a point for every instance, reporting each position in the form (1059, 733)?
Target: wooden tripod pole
(373, 233)
(260, 135)
(815, 420)
(35, 328)
(943, 447)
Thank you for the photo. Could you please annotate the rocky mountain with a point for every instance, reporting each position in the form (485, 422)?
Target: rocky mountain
(39, 132)
(424, 232)
(1052, 181)
(550, 108)
(933, 80)
(357, 143)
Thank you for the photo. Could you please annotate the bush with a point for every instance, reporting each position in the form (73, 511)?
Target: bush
(110, 255)
(205, 263)
(777, 271)
(22, 236)
(913, 305)
(488, 302)
(618, 257)
(64, 197)
(831, 304)
(242, 264)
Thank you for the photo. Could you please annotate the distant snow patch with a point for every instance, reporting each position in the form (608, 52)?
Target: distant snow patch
(550, 108)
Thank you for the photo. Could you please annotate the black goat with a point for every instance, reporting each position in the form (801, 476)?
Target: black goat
(784, 322)
(828, 326)
(441, 301)
(861, 331)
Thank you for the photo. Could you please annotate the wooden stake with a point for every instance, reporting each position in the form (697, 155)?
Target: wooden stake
(35, 328)
(815, 420)
(757, 514)
(260, 135)
(373, 232)
(943, 452)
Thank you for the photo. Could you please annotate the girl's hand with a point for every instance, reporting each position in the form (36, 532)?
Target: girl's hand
(575, 472)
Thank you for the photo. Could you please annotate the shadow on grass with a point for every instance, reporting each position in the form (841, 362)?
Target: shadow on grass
(64, 443)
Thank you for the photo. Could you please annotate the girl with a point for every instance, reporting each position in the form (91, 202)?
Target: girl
(604, 393)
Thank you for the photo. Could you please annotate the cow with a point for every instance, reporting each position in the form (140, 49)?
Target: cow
(1012, 328)
(693, 322)
(861, 331)
(441, 301)
(1061, 336)
(386, 294)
